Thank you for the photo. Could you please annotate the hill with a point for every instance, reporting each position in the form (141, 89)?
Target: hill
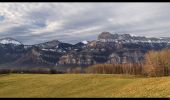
(82, 85)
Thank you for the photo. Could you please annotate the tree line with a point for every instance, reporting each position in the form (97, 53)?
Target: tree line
(31, 71)
(156, 63)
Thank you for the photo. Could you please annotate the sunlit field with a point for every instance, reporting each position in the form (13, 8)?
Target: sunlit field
(82, 85)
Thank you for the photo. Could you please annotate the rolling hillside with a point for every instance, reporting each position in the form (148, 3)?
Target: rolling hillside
(83, 85)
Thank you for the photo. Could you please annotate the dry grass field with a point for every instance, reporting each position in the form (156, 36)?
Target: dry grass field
(82, 85)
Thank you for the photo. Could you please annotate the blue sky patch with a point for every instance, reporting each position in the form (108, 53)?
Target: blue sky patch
(1, 18)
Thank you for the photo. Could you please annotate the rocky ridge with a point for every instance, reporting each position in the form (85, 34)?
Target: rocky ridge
(108, 48)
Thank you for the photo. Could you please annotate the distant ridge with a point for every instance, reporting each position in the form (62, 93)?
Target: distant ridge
(107, 48)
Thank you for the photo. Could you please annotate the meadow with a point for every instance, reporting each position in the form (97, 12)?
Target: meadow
(83, 85)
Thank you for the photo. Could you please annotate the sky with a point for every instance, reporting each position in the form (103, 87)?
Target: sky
(33, 23)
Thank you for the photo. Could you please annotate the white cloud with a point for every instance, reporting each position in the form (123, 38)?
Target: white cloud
(51, 27)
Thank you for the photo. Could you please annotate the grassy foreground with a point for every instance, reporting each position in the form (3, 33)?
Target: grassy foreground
(82, 85)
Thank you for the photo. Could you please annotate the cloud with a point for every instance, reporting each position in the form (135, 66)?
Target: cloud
(33, 23)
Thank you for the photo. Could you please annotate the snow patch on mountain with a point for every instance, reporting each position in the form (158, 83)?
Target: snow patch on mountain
(84, 42)
(9, 41)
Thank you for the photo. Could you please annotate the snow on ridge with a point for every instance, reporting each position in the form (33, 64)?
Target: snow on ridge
(48, 50)
(84, 42)
(9, 41)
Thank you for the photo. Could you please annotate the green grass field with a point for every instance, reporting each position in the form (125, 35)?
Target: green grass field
(82, 85)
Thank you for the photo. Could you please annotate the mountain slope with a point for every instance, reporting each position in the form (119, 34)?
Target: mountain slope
(106, 49)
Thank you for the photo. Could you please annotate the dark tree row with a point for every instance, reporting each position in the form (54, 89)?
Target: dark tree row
(32, 71)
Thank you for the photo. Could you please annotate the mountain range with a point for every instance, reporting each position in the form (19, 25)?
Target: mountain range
(107, 48)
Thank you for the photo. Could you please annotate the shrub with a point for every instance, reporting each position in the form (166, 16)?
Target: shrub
(115, 69)
(157, 63)
(4, 71)
(76, 70)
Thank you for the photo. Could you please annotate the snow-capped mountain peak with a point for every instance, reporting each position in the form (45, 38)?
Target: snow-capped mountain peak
(10, 41)
(84, 42)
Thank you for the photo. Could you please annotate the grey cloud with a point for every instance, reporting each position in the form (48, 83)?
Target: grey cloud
(74, 22)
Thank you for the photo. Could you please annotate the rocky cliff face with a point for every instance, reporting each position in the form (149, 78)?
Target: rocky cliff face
(108, 48)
